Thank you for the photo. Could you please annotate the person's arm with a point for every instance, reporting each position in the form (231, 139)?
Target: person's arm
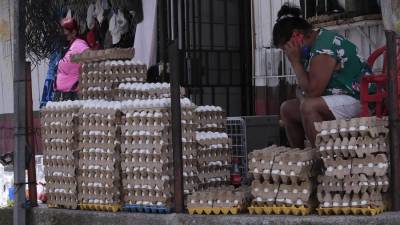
(322, 66)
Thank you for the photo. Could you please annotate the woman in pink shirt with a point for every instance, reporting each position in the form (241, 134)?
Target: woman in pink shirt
(67, 78)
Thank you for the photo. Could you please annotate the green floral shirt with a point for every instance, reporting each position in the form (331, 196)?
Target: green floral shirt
(350, 66)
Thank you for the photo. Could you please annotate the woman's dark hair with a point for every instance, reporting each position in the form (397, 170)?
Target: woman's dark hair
(289, 19)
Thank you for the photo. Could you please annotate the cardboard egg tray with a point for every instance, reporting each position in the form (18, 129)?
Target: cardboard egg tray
(101, 55)
(358, 183)
(101, 80)
(354, 154)
(60, 142)
(147, 153)
(282, 165)
(371, 165)
(356, 127)
(99, 177)
(129, 91)
(373, 199)
(275, 194)
(213, 159)
(355, 147)
(211, 118)
(218, 201)
(282, 180)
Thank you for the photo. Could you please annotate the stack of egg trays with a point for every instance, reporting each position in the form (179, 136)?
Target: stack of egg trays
(283, 177)
(147, 175)
(355, 156)
(211, 118)
(99, 80)
(60, 144)
(214, 159)
(189, 150)
(99, 178)
(102, 55)
(221, 200)
(128, 91)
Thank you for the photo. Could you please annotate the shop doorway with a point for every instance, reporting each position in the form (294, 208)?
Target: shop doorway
(216, 53)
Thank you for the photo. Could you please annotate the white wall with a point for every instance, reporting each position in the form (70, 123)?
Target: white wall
(267, 60)
(6, 75)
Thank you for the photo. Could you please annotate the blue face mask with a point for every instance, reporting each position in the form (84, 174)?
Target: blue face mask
(305, 53)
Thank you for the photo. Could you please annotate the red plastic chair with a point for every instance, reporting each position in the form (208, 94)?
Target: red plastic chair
(380, 80)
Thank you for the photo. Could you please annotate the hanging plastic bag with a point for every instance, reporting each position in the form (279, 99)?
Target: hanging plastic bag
(391, 14)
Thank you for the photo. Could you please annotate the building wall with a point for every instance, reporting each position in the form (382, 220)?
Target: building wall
(272, 76)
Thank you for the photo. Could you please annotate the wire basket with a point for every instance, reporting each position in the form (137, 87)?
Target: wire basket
(236, 129)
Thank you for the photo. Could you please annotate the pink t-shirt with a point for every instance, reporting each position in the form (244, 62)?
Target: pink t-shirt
(68, 72)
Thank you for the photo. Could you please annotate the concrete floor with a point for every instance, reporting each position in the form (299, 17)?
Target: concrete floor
(44, 216)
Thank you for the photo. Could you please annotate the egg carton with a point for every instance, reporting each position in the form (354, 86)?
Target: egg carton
(371, 165)
(274, 194)
(96, 93)
(101, 55)
(364, 200)
(282, 165)
(262, 160)
(365, 126)
(358, 183)
(61, 200)
(211, 118)
(127, 91)
(214, 198)
(353, 147)
(147, 180)
(280, 210)
(212, 138)
(149, 198)
(99, 195)
(205, 157)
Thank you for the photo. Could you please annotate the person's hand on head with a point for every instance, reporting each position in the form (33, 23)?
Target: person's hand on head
(292, 50)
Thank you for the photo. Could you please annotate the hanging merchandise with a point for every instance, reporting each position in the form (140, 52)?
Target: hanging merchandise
(118, 26)
(69, 14)
(90, 17)
(99, 11)
(105, 5)
(146, 34)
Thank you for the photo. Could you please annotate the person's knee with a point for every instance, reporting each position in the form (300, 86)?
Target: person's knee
(308, 107)
(285, 110)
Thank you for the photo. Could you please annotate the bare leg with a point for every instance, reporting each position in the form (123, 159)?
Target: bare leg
(290, 114)
(314, 110)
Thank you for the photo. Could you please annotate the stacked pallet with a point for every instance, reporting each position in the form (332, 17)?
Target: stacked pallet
(282, 180)
(355, 156)
(214, 159)
(223, 200)
(100, 78)
(60, 145)
(211, 118)
(147, 165)
(99, 156)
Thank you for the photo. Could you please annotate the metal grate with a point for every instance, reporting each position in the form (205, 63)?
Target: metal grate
(236, 129)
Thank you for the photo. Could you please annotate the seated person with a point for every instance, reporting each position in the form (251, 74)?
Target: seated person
(328, 70)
